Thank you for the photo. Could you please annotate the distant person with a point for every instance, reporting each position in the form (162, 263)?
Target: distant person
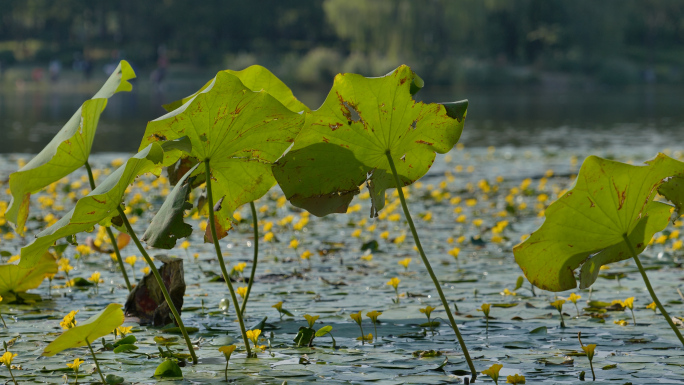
(158, 75)
(55, 68)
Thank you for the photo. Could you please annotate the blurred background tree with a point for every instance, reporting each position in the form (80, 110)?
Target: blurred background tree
(447, 42)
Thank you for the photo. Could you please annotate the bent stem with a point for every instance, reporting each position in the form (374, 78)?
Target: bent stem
(226, 277)
(97, 365)
(429, 267)
(650, 289)
(256, 256)
(110, 233)
(160, 282)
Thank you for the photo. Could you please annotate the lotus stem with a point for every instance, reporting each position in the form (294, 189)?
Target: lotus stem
(160, 282)
(97, 365)
(110, 233)
(429, 267)
(650, 289)
(256, 257)
(219, 255)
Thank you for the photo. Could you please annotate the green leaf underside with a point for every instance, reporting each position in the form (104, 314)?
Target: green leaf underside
(14, 278)
(167, 225)
(96, 207)
(255, 78)
(67, 151)
(168, 369)
(585, 226)
(95, 327)
(673, 190)
(240, 131)
(344, 143)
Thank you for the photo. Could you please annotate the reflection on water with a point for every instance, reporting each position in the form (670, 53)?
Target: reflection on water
(518, 117)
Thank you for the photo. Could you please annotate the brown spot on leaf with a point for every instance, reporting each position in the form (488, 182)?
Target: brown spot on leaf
(424, 142)
(335, 126)
(591, 202)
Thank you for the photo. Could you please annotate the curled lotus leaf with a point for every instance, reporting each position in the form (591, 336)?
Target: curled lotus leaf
(67, 151)
(345, 142)
(16, 279)
(97, 207)
(585, 226)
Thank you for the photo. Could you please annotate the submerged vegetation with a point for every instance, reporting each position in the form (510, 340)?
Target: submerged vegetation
(228, 145)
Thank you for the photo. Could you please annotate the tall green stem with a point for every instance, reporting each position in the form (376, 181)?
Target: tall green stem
(97, 365)
(160, 282)
(110, 233)
(650, 289)
(256, 257)
(219, 255)
(429, 267)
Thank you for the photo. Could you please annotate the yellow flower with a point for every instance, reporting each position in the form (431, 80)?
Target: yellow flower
(356, 317)
(75, 365)
(589, 350)
(131, 260)
(574, 297)
(84, 249)
(240, 267)
(628, 303)
(7, 358)
(515, 379)
(384, 235)
(95, 277)
(123, 330)
(268, 237)
(485, 309)
(367, 258)
(293, 244)
(621, 322)
(311, 319)
(651, 306)
(400, 239)
(356, 233)
(278, 306)
(405, 262)
(477, 222)
(373, 315)
(471, 202)
(507, 292)
(227, 350)
(253, 335)
(493, 372)
(394, 282)
(145, 270)
(242, 291)
(558, 304)
(454, 252)
(268, 226)
(68, 321)
(64, 265)
(368, 337)
(461, 218)
(427, 310)
(185, 245)
(306, 255)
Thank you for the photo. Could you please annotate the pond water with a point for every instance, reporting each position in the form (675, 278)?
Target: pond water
(532, 133)
(506, 116)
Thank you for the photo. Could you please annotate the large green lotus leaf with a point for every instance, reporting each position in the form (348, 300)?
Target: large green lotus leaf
(240, 131)
(167, 225)
(344, 143)
(95, 327)
(15, 279)
(67, 151)
(99, 205)
(585, 226)
(256, 78)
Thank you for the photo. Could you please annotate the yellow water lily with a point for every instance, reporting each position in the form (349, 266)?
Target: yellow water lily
(493, 372)
(68, 321)
(311, 319)
(515, 379)
(75, 365)
(253, 335)
(405, 263)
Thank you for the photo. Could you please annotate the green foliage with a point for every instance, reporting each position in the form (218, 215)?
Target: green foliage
(240, 131)
(168, 369)
(344, 143)
(67, 151)
(97, 207)
(16, 279)
(95, 327)
(585, 226)
(167, 225)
